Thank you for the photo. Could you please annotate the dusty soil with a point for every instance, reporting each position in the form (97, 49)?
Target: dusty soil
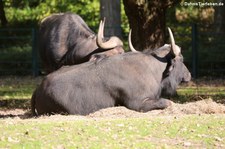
(206, 106)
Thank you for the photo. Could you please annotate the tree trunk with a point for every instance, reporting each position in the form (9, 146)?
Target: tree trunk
(219, 18)
(2, 14)
(110, 10)
(148, 22)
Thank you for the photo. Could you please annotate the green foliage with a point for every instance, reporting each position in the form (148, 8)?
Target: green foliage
(28, 13)
(125, 23)
(16, 59)
(31, 12)
(17, 53)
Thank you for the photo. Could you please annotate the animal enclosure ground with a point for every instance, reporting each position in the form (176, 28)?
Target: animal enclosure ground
(195, 120)
(15, 94)
(103, 130)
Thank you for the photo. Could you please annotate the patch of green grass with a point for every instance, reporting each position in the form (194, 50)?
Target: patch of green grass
(15, 92)
(187, 94)
(202, 90)
(204, 131)
(17, 53)
(16, 58)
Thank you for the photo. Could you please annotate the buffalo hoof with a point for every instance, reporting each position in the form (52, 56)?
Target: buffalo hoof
(154, 104)
(164, 103)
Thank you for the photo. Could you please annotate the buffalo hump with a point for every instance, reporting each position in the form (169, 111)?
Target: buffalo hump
(65, 39)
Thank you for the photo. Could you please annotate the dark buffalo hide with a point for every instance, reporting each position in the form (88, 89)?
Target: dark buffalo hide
(134, 80)
(65, 39)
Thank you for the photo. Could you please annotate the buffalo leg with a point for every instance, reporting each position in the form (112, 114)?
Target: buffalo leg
(152, 104)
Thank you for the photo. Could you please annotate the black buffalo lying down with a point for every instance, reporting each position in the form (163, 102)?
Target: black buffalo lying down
(134, 80)
(65, 39)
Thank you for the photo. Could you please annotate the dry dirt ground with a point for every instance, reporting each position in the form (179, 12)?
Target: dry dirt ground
(206, 106)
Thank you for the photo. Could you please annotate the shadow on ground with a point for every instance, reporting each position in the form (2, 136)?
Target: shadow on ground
(205, 106)
(15, 103)
(192, 98)
(11, 108)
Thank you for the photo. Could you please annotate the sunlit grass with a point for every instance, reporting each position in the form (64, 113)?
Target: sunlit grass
(17, 87)
(16, 92)
(205, 131)
(169, 131)
(203, 90)
(187, 94)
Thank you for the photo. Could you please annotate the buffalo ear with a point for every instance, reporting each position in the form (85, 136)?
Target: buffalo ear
(169, 67)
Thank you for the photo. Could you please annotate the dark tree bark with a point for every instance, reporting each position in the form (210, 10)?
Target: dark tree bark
(219, 17)
(148, 21)
(110, 10)
(2, 14)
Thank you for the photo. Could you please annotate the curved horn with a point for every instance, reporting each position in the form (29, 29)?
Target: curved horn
(100, 31)
(130, 43)
(111, 43)
(175, 49)
(101, 28)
